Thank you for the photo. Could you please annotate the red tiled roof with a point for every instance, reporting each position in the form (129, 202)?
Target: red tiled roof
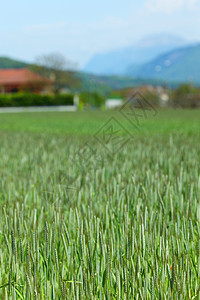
(20, 76)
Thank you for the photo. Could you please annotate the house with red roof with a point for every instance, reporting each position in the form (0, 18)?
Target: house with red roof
(17, 80)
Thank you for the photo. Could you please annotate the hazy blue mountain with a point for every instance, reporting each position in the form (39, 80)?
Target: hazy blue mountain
(118, 61)
(180, 65)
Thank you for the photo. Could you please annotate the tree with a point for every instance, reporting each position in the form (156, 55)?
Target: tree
(186, 95)
(92, 99)
(56, 67)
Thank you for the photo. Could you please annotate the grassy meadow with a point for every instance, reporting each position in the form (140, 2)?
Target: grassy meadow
(100, 205)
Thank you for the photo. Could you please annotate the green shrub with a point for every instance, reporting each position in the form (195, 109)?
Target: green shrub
(92, 99)
(25, 99)
(186, 95)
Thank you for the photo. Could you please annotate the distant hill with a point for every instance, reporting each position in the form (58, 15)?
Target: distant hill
(8, 63)
(180, 65)
(88, 82)
(105, 84)
(118, 62)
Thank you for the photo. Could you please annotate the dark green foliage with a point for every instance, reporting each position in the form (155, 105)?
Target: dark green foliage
(23, 99)
(92, 99)
(186, 95)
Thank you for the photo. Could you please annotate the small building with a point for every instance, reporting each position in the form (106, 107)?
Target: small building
(17, 80)
(113, 103)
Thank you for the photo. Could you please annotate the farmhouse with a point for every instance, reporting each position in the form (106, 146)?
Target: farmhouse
(16, 80)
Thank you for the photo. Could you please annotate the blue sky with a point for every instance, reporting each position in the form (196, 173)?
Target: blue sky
(78, 29)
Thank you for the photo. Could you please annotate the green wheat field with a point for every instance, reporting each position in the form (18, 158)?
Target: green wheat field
(100, 205)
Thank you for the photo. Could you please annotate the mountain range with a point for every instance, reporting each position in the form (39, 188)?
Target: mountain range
(119, 61)
(180, 65)
(162, 57)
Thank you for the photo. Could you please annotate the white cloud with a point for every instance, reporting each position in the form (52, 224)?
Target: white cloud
(170, 6)
(44, 27)
(79, 38)
(76, 40)
(194, 4)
